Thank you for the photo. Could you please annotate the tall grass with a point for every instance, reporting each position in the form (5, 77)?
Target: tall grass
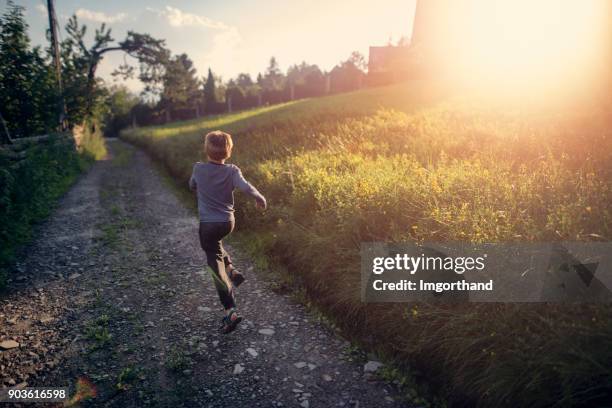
(406, 163)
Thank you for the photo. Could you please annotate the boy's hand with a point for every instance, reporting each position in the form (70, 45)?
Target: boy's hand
(261, 203)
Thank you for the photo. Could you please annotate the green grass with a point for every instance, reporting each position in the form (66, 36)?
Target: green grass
(177, 360)
(29, 193)
(127, 377)
(413, 163)
(92, 145)
(122, 156)
(98, 332)
(113, 233)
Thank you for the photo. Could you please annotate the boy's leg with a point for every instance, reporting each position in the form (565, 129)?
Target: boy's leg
(210, 240)
(227, 261)
(235, 276)
(226, 258)
(221, 279)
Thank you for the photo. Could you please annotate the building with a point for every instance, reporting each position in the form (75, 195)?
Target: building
(436, 33)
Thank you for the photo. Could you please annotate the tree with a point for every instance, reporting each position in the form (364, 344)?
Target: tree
(150, 53)
(236, 95)
(27, 88)
(251, 89)
(181, 87)
(358, 61)
(314, 82)
(220, 89)
(45, 92)
(244, 81)
(210, 94)
(144, 114)
(348, 75)
(75, 68)
(308, 80)
(274, 79)
(15, 64)
(120, 103)
(273, 83)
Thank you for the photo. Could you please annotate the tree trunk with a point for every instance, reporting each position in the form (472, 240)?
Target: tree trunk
(91, 75)
(91, 79)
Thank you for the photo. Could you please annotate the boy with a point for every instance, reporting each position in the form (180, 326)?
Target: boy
(214, 183)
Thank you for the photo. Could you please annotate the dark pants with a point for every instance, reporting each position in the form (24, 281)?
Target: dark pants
(211, 234)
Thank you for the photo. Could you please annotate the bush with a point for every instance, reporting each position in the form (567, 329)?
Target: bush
(29, 192)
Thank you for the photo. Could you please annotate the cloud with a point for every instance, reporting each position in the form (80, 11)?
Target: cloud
(225, 54)
(41, 8)
(224, 42)
(99, 16)
(178, 18)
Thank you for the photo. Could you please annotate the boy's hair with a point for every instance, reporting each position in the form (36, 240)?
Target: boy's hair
(218, 145)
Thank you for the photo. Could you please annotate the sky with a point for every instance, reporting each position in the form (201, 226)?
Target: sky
(234, 36)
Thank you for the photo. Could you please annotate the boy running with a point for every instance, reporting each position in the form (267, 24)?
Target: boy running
(214, 183)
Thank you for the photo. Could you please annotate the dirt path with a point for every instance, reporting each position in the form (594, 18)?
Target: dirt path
(114, 290)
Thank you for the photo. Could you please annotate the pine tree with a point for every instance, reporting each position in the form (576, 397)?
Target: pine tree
(210, 96)
(180, 85)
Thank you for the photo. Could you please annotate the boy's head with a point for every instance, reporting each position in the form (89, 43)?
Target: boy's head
(218, 145)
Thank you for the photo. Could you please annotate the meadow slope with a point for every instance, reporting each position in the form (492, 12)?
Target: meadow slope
(406, 163)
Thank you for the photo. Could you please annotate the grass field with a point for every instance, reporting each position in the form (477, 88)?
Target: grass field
(410, 162)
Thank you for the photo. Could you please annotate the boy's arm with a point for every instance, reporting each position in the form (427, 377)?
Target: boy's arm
(193, 186)
(241, 184)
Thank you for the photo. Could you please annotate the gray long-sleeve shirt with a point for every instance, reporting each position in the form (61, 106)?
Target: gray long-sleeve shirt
(215, 184)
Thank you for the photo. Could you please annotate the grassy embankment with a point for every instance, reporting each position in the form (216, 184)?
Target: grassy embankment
(403, 163)
(29, 192)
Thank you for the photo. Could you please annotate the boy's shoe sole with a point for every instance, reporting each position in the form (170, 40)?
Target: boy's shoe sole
(230, 325)
(237, 278)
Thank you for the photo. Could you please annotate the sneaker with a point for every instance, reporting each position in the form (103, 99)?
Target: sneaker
(230, 322)
(236, 277)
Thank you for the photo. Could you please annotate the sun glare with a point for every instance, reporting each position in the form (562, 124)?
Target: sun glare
(531, 42)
